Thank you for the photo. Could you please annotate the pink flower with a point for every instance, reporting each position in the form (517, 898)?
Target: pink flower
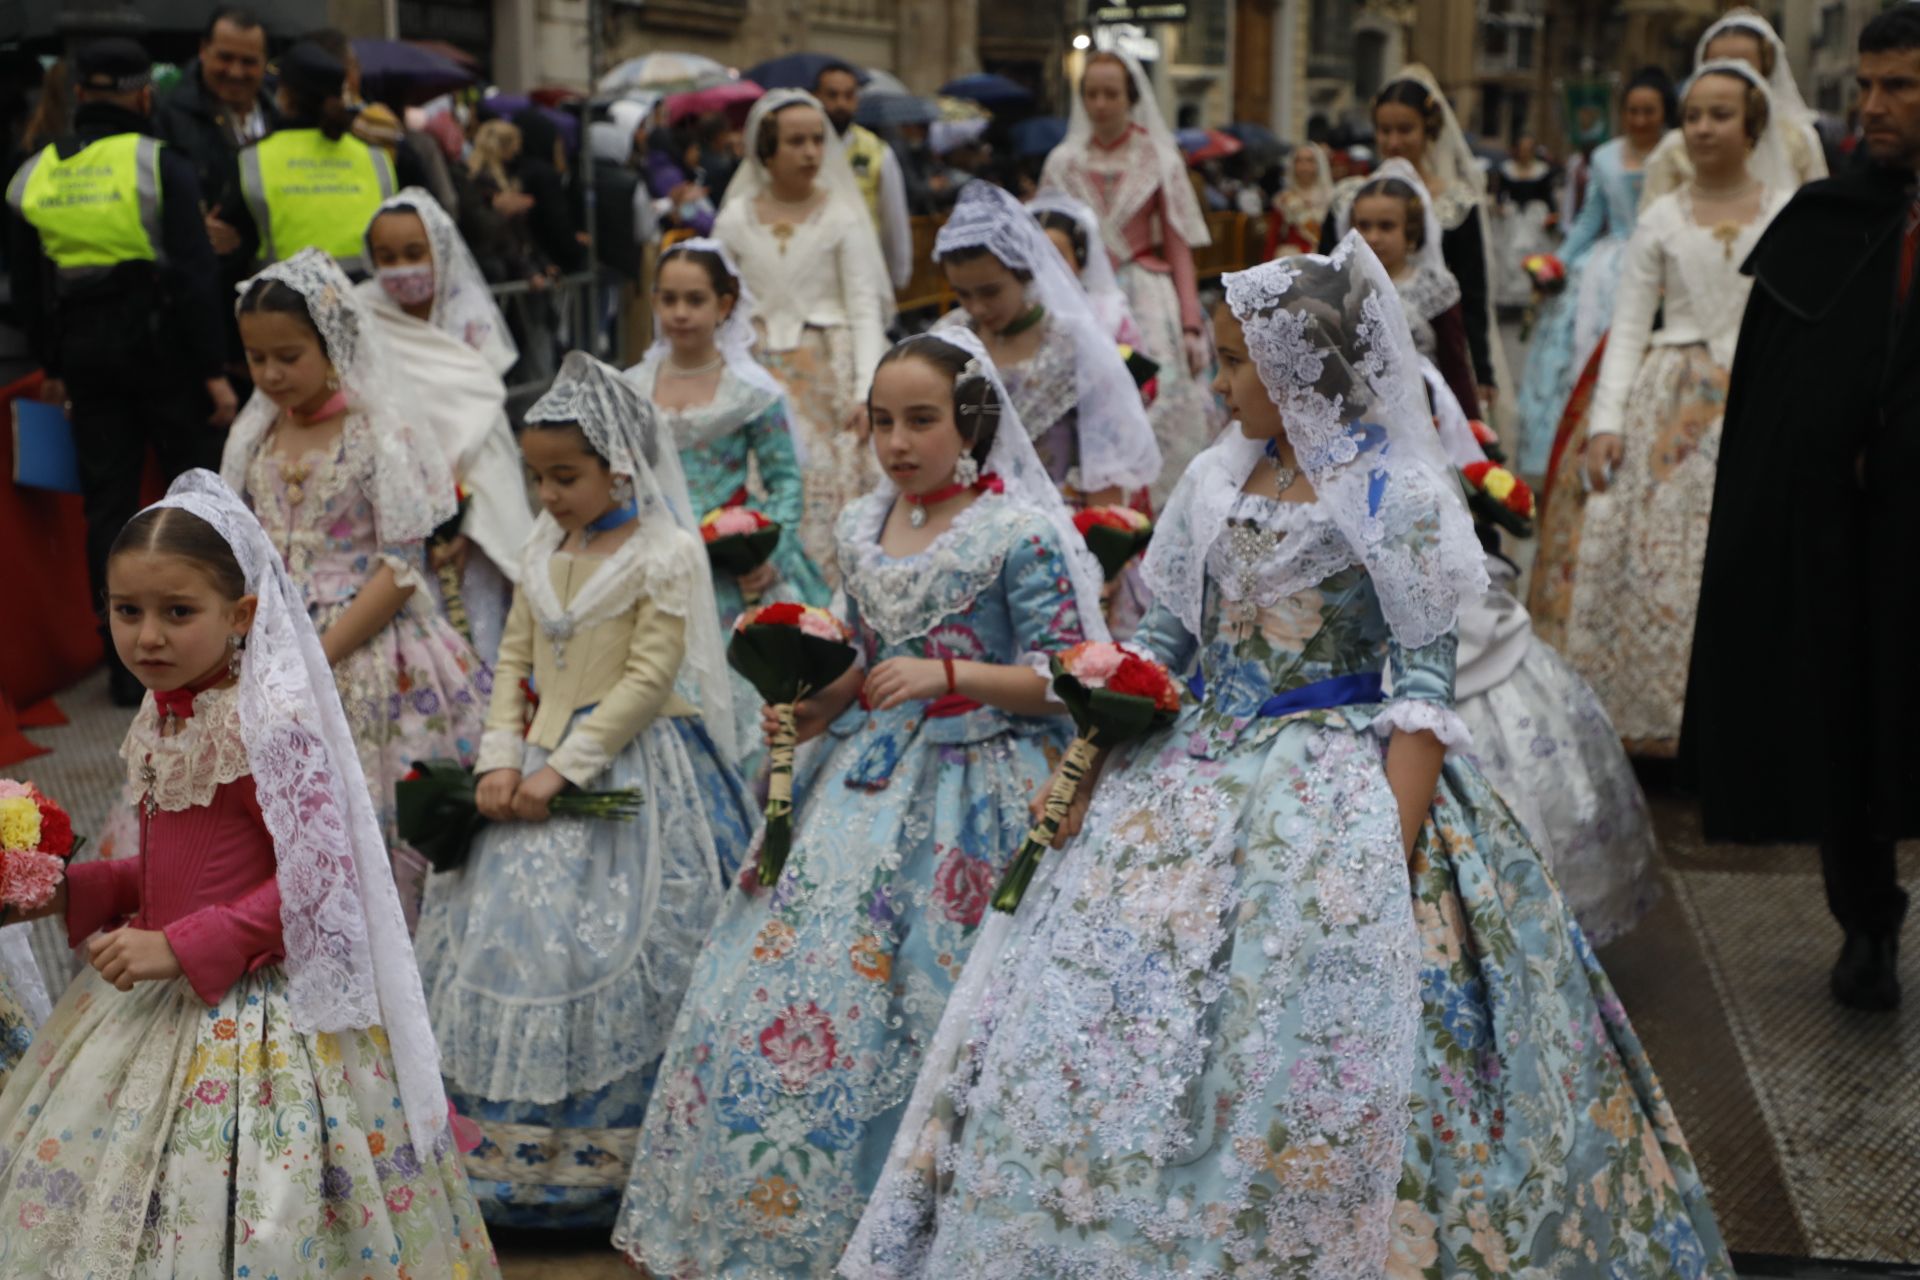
(1094, 662)
(211, 1092)
(800, 1045)
(10, 789)
(732, 520)
(963, 885)
(32, 1214)
(400, 1199)
(28, 879)
(822, 625)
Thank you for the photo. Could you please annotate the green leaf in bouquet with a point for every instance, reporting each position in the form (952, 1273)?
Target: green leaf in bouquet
(785, 663)
(742, 553)
(1112, 548)
(435, 814)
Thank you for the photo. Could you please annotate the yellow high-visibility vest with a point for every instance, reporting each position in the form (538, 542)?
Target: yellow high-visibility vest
(97, 208)
(866, 152)
(307, 190)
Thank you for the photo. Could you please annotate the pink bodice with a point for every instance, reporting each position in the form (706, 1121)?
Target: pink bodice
(205, 877)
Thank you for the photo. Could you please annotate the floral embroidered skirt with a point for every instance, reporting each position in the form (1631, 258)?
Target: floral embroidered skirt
(148, 1135)
(1224, 1040)
(1547, 746)
(1636, 583)
(555, 962)
(813, 1001)
(836, 466)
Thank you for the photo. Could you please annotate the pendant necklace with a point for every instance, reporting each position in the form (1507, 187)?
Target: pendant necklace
(919, 502)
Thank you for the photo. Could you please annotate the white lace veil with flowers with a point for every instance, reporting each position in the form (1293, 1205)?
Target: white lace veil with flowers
(1330, 340)
(1167, 173)
(1105, 297)
(349, 962)
(752, 180)
(621, 427)
(412, 482)
(1024, 480)
(1780, 83)
(462, 304)
(1117, 444)
(1430, 288)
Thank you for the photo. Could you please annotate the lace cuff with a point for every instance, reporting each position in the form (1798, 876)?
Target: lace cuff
(1041, 664)
(1412, 715)
(499, 749)
(407, 571)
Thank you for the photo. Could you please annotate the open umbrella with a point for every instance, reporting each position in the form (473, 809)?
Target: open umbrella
(1038, 136)
(889, 110)
(879, 81)
(505, 106)
(961, 109)
(451, 52)
(401, 74)
(734, 99)
(1202, 145)
(1256, 137)
(663, 73)
(798, 70)
(994, 92)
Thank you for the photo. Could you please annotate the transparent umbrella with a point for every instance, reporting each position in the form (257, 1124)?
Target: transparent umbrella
(663, 73)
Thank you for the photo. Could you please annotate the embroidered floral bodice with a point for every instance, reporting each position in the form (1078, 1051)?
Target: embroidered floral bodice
(318, 511)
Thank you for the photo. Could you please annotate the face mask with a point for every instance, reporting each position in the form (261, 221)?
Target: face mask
(408, 286)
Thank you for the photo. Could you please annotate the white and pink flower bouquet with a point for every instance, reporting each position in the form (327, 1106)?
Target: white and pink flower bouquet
(739, 539)
(36, 843)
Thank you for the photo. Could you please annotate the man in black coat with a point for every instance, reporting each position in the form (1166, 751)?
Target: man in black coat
(218, 107)
(1803, 704)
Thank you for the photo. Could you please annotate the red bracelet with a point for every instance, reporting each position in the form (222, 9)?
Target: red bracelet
(948, 663)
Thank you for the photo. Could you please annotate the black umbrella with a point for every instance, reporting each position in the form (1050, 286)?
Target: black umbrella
(798, 71)
(400, 74)
(991, 91)
(1255, 137)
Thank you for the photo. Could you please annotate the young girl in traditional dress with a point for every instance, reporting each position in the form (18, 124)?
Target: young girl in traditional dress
(1120, 159)
(1223, 1038)
(1074, 231)
(1653, 435)
(349, 494)
(814, 999)
(555, 959)
(728, 418)
(1300, 208)
(243, 1083)
(438, 322)
(796, 224)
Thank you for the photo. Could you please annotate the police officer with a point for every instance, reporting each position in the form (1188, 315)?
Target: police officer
(116, 283)
(311, 183)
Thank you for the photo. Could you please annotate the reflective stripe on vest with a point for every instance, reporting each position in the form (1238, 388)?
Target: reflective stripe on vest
(866, 152)
(310, 191)
(97, 208)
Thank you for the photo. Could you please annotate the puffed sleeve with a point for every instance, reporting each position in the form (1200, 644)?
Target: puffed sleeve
(1633, 311)
(100, 893)
(502, 743)
(1420, 696)
(1162, 634)
(1040, 598)
(654, 653)
(770, 438)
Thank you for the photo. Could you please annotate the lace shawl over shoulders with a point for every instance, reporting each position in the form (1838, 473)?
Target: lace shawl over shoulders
(189, 766)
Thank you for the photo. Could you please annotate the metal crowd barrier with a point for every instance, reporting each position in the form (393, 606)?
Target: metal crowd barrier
(584, 311)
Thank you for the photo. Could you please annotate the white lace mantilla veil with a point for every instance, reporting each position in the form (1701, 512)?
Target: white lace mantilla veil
(672, 573)
(752, 180)
(926, 599)
(1433, 288)
(1781, 84)
(462, 304)
(1105, 297)
(412, 483)
(1137, 183)
(1117, 444)
(1768, 161)
(349, 962)
(734, 339)
(1330, 340)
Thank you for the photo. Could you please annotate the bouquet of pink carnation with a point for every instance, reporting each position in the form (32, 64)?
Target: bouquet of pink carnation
(36, 842)
(739, 539)
(787, 652)
(1115, 696)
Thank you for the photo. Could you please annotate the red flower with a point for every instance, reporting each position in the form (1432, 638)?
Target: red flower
(800, 1045)
(1143, 679)
(963, 886)
(783, 614)
(1520, 501)
(56, 829)
(1087, 519)
(1476, 472)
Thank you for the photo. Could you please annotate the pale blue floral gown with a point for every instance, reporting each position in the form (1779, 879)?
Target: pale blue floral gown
(812, 1002)
(1570, 325)
(1223, 1039)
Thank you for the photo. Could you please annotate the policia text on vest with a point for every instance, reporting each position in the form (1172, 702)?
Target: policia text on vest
(305, 189)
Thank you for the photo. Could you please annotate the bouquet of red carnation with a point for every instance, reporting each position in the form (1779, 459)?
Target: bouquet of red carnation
(434, 810)
(1114, 534)
(739, 539)
(787, 652)
(1114, 697)
(36, 843)
(1497, 495)
(1145, 371)
(1547, 272)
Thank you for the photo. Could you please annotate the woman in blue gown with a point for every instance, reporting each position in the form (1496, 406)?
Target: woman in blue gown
(1570, 325)
(1223, 1038)
(814, 999)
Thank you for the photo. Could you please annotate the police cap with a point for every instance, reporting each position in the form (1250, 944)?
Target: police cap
(309, 70)
(112, 65)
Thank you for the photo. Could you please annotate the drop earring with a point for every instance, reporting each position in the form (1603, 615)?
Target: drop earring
(966, 472)
(233, 657)
(333, 380)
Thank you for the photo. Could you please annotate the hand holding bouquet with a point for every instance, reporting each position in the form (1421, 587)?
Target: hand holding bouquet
(787, 652)
(1497, 495)
(36, 843)
(739, 540)
(1114, 534)
(1115, 697)
(435, 813)
(1547, 272)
